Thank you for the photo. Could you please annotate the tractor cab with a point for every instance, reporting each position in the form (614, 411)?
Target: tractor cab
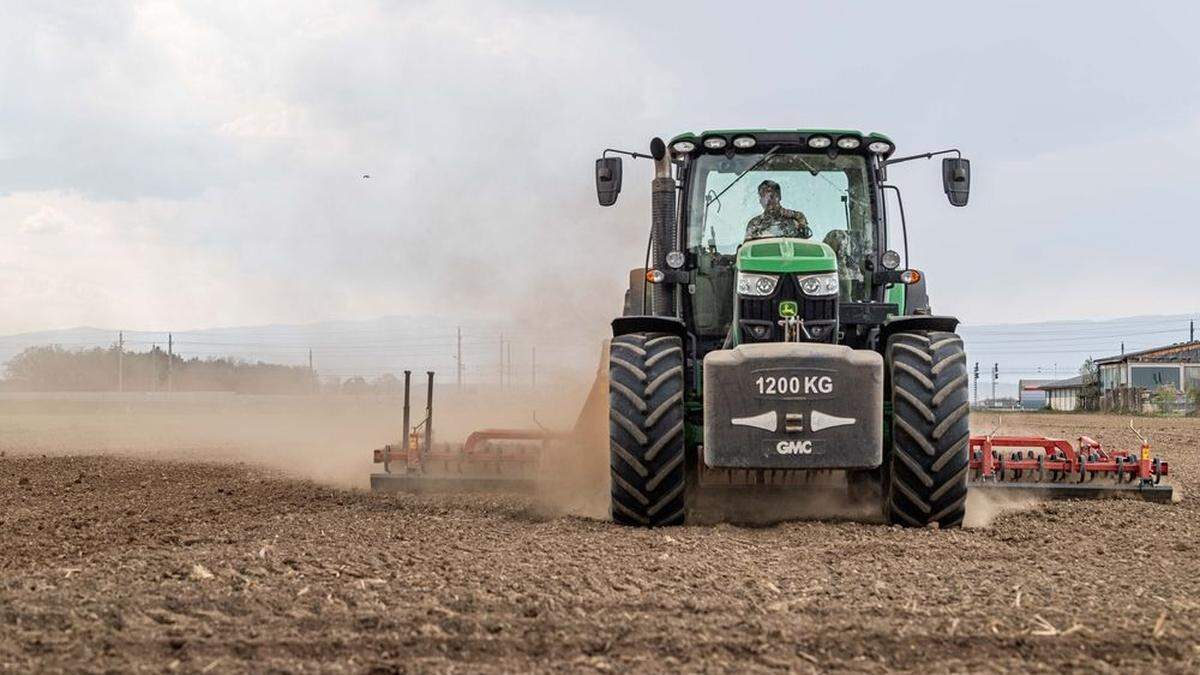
(784, 236)
(754, 267)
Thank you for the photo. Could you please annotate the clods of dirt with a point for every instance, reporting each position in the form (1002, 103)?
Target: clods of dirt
(226, 568)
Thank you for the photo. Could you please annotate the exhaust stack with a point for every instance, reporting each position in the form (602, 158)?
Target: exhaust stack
(664, 230)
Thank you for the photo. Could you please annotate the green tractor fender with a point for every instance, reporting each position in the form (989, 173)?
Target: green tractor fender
(904, 324)
(627, 325)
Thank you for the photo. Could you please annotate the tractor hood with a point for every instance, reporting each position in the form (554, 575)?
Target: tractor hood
(782, 255)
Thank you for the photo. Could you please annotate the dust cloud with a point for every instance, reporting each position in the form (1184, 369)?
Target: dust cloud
(983, 508)
(574, 477)
(329, 439)
(324, 438)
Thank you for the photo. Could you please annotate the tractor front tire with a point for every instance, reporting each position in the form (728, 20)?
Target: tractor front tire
(645, 428)
(925, 469)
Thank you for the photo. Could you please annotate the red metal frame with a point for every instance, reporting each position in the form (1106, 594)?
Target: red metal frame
(1060, 461)
(479, 452)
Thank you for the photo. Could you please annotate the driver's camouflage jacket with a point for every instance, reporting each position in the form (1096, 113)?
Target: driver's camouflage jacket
(781, 223)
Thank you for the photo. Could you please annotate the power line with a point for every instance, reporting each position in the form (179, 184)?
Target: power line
(1081, 330)
(1078, 338)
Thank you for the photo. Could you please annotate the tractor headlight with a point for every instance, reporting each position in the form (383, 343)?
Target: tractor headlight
(880, 147)
(714, 142)
(820, 284)
(744, 142)
(758, 285)
(683, 147)
(819, 142)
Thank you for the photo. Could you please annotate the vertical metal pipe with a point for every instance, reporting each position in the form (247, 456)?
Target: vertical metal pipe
(429, 413)
(407, 428)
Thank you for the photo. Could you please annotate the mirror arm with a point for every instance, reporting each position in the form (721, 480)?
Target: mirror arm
(635, 155)
(903, 222)
(927, 155)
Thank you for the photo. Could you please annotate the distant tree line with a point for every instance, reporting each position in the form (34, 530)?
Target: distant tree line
(386, 383)
(52, 368)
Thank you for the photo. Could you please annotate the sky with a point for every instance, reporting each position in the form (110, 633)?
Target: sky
(174, 165)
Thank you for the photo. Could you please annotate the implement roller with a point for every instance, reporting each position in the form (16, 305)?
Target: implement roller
(1054, 468)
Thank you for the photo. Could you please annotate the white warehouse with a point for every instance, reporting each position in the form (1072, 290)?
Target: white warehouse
(1064, 395)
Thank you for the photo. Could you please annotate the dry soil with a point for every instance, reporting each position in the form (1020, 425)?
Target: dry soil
(131, 562)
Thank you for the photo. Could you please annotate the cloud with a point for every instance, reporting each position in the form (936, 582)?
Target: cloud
(232, 143)
(190, 164)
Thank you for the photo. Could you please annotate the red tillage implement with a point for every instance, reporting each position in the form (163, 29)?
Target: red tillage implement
(510, 459)
(1053, 467)
(490, 459)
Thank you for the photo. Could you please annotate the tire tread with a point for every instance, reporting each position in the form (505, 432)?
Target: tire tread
(647, 450)
(926, 467)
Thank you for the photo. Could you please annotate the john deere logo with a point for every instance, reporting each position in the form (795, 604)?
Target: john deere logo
(788, 309)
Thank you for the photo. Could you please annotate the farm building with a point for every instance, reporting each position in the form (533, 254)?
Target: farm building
(1064, 395)
(1177, 365)
(1127, 381)
(1031, 395)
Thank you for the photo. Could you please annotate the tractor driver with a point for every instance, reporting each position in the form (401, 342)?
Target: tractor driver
(776, 221)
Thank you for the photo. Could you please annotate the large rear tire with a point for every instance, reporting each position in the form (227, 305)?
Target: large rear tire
(646, 439)
(925, 469)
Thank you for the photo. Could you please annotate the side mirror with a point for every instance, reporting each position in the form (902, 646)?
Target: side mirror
(956, 180)
(608, 180)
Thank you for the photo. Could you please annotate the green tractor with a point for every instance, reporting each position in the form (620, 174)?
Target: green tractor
(774, 335)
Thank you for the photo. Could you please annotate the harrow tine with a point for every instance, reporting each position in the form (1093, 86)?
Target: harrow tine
(1132, 428)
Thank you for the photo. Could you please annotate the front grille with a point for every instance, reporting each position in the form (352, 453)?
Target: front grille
(816, 312)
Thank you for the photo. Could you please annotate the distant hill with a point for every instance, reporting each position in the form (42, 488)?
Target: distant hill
(1045, 350)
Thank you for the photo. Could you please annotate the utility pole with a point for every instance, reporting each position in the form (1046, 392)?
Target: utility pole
(459, 358)
(510, 368)
(533, 367)
(976, 384)
(995, 375)
(502, 360)
(170, 357)
(312, 376)
(1122, 348)
(1191, 331)
(121, 361)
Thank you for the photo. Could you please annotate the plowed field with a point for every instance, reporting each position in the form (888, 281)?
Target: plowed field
(182, 560)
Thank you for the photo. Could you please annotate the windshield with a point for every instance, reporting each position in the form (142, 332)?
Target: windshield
(829, 195)
(811, 196)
